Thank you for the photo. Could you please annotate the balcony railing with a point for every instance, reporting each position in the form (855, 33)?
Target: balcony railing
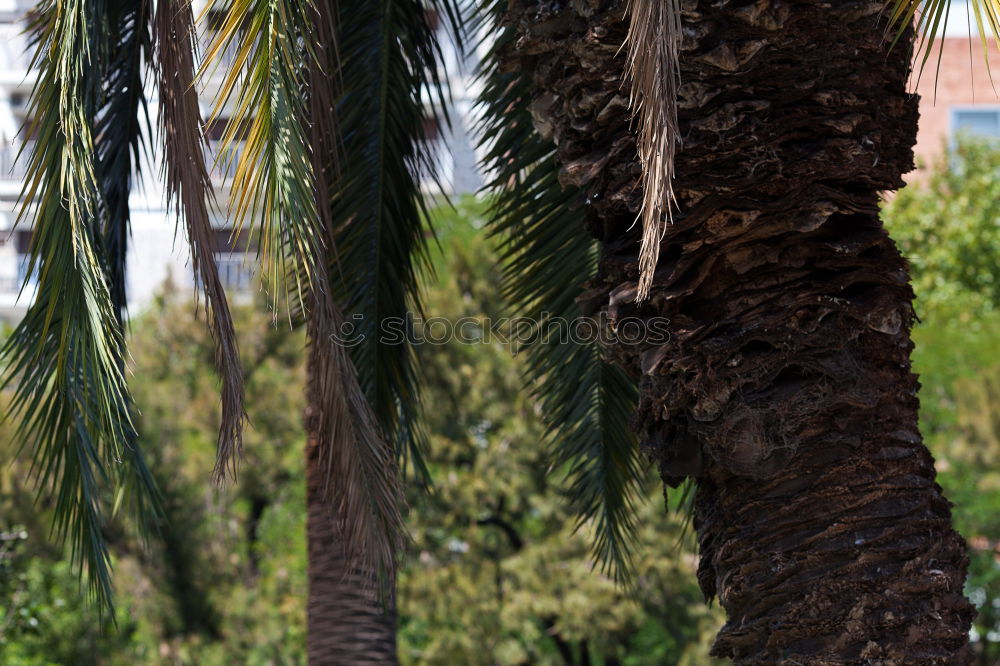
(235, 272)
(221, 164)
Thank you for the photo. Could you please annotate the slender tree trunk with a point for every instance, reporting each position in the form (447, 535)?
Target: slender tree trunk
(786, 389)
(347, 626)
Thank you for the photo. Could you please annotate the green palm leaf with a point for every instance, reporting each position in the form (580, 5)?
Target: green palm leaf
(929, 18)
(118, 130)
(391, 89)
(65, 359)
(119, 123)
(547, 257)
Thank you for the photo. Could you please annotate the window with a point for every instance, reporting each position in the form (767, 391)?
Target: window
(432, 128)
(222, 164)
(22, 243)
(982, 123)
(230, 253)
(234, 273)
(214, 22)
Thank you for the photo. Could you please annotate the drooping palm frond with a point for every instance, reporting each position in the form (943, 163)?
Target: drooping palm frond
(118, 130)
(120, 120)
(653, 45)
(330, 362)
(273, 175)
(324, 136)
(189, 187)
(585, 401)
(929, 18)
(65, 358)
(276, 181)
(393, 93)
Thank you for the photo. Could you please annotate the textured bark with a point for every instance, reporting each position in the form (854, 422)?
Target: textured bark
(347, 626)
(786, 389)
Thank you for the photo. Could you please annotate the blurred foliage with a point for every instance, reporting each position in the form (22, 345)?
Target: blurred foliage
(224, 581)
(948, 225)
(45, 619)
(495, 575)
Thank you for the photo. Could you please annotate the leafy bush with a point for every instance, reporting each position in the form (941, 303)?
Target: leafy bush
(948, 225)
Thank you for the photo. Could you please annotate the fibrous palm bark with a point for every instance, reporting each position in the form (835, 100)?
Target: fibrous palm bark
(786, 389)
(347, 623)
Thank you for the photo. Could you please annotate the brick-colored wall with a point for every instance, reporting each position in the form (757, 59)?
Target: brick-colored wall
(962, 80)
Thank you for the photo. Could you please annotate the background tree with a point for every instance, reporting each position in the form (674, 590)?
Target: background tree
(224, 576)
(498, 532)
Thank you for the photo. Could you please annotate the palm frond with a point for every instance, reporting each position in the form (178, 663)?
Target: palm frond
(64, 359)
(273, 175)
(653, 44)
(118, 131)
(331, 364)
(119, 125)
(189, 187)
(547, 257)
(929, 19)
(392, 90)
(275, 179)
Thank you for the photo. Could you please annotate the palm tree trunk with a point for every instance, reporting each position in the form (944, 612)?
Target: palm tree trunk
(346, 623)
(786, 388)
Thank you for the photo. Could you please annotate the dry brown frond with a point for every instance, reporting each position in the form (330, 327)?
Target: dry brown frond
(188, 187)
(362, 477)
(653, 45)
